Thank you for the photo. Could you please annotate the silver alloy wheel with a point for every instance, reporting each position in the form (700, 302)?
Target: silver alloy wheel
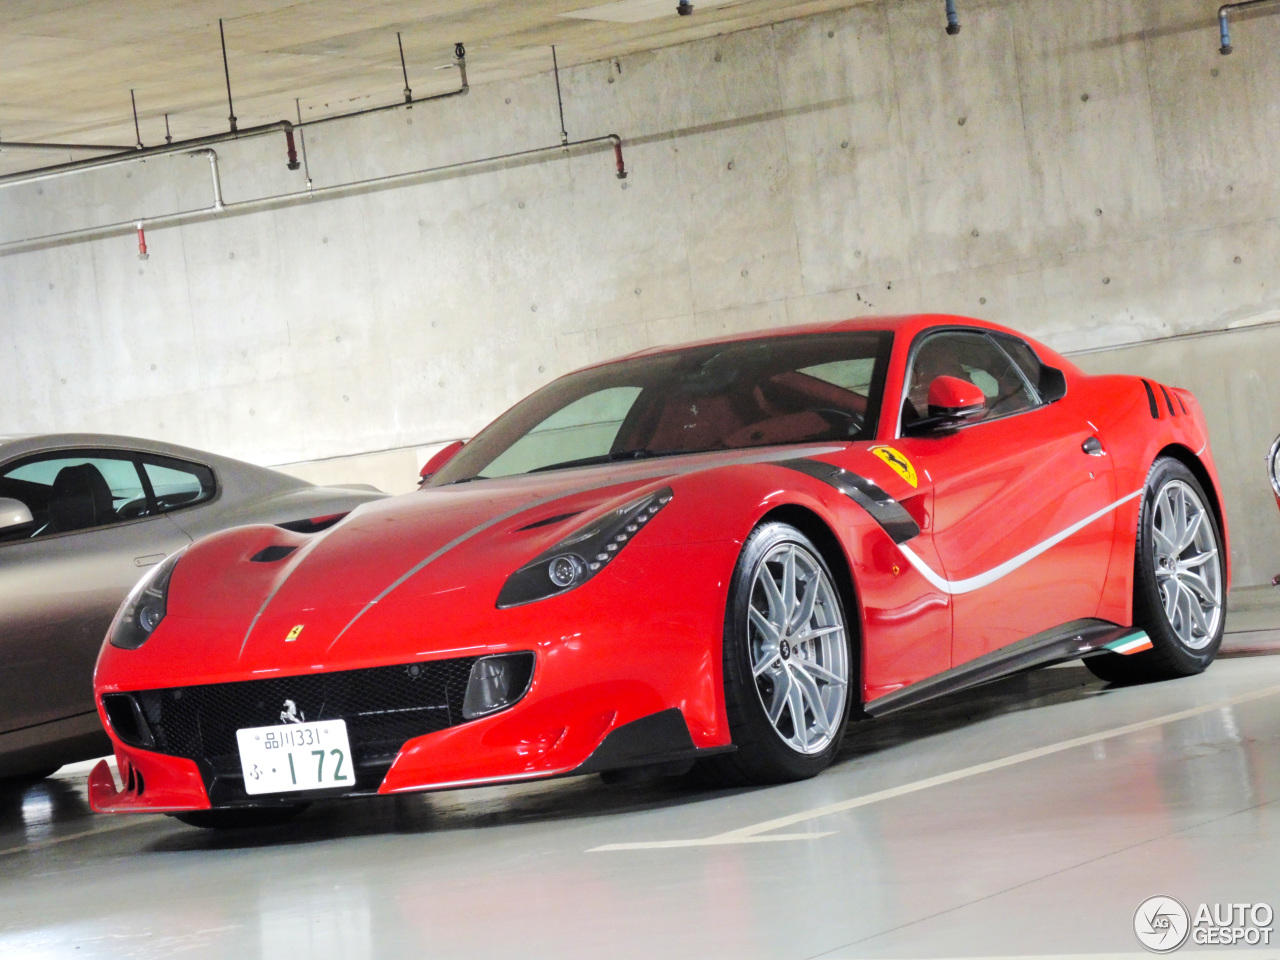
(799, 648)
(1186, 563)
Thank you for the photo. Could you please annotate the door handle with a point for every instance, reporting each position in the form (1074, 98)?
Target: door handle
(1093, 447)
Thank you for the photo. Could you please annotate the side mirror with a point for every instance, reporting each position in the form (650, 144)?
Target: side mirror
(438, 460)
(954, 400)
(14, 513)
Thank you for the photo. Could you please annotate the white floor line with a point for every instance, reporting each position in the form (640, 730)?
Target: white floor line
(721, 840)
(1242, 953)
(751, 834)
(121, 823)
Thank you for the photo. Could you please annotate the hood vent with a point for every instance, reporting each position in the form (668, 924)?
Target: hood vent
(547, 521)
(271, 554)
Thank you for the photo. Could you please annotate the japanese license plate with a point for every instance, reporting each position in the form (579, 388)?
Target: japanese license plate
(296, 756)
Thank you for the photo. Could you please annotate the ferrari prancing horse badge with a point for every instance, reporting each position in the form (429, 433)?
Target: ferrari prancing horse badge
(898, 462)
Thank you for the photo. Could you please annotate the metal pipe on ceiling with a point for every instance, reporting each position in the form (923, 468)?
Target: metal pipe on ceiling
(460, 61)
(71, 147)
(127, 154)
(1224, 29)
(219, 208)
(953, 19)
(178, 146)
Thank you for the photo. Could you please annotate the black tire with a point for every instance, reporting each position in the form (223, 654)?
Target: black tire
(761, 755)
(240, 818)
(1169, 657)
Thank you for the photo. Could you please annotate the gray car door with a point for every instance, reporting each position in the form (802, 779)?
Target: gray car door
(60, 587)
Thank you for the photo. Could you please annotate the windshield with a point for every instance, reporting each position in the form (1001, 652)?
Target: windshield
(725, 396)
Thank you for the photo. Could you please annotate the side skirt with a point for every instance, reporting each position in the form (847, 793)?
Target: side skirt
(1070, 641)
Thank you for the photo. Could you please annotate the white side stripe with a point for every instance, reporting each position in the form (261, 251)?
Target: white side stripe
(955, 587)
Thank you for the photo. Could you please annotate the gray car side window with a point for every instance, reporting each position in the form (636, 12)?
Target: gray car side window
(69, 491)
(178, 483)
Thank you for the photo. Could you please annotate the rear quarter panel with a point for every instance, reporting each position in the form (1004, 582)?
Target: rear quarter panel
(1134, 437)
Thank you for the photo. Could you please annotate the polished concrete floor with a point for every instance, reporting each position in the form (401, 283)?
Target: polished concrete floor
(1028, 818)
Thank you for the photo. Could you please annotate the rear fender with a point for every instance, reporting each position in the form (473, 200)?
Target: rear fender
(1138, 428)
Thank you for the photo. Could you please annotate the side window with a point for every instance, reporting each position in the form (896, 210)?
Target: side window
(969, 356)
(65, 491)
(584, 429)
(177, 483)
(1022, 355)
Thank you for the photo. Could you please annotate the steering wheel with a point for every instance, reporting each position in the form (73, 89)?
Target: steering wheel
(852, 422)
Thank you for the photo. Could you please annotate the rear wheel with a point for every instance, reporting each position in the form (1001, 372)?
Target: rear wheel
(787, 662)
(1179, 581)
(240, 818)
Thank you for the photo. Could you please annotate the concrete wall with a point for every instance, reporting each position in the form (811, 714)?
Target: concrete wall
(1090, 171)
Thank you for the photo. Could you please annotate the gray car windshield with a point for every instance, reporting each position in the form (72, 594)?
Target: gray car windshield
(751, 393)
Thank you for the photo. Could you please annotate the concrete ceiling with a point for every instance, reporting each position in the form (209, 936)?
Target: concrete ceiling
(67, 66)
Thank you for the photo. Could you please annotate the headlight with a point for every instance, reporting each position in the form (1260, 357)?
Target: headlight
(1273, 467)
(144, 608)
(581, 555)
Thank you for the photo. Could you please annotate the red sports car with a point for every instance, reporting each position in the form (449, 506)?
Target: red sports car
(719, 554)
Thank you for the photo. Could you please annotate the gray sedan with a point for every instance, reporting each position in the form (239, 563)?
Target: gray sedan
(82, 517)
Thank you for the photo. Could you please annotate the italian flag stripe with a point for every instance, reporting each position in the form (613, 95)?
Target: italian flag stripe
(1134, 643)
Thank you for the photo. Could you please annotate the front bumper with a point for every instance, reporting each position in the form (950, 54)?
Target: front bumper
(622, 662)
(155, 783)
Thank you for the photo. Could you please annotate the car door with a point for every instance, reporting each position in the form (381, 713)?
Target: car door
(96, 532)
(1005, 491)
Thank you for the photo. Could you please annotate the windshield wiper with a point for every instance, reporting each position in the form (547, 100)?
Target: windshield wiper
(602, 458)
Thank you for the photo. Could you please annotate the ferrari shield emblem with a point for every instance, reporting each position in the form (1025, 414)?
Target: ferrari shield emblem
(294, 633)
(898, 462)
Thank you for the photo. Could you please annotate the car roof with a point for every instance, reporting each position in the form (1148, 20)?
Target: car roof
(40, 442)
(13, 446)
(901, 323)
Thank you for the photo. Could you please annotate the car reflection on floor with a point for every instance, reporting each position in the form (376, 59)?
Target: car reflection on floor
(1167, 791)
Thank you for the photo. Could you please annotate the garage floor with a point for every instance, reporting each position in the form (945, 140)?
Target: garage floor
(1028, 818)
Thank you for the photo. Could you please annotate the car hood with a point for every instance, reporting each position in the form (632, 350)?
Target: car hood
(446, 550)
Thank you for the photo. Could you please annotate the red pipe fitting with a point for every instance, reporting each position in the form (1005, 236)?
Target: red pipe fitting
(142, 242)
(617, 156)
(293, 153)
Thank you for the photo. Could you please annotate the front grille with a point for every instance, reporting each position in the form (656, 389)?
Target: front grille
(382, 706)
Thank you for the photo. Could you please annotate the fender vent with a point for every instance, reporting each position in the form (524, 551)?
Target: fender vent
(1168, 401)
(271, 554)
(1151, 401)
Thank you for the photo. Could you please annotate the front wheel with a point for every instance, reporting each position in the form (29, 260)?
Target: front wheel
(788, 662)
(1179, 581)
